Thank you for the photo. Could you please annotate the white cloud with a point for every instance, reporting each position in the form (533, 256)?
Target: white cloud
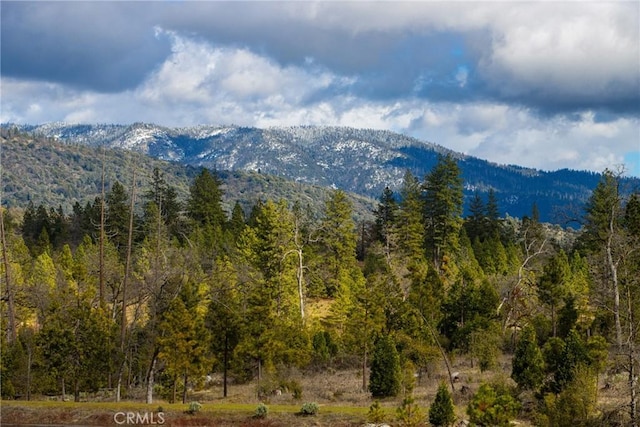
(584, 48)
(204, 83)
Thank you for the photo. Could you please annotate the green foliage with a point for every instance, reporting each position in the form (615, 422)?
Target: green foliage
(376, 414)
(309, 409)
(575, 405)
(184, 340)
(409, 414)
(261, 411)
(324, 347)
(194, 408)
(338, 243)
(385, 375)
(205, 200)
(573, 355)
(528, 364)
(552, 286)
(492, 409)
(442, 411)
(443, 207)
(469, 307)
(211, 294)
(485, 345)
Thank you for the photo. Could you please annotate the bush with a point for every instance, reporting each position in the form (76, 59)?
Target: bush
(261, 411)
(294, 387)
(490, 408)
(385, 376)
(409, 413)
(194, 408)
(309, 409)
(441, 412)
(376, 414)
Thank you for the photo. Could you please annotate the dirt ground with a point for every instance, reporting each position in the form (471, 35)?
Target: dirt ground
(337, 392)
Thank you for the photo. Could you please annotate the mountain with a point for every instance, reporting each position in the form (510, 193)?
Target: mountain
(362, 161)
(46, 171)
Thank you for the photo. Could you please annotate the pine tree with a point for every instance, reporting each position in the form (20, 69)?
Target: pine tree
(205, 200)
(338, 241)
(410, 222)
(385, 215)
(493, 214)
(602, 238)
(490, 408)
(117, 218)
(443, 207)
(224, 316)
(184, 340)
(528, 364)
(475, 222)
(384, 379)
(552, 286)
(442, 411)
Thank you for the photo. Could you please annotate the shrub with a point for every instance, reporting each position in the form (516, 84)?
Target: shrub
(385, 376)
(488, 408)
(528, 364)
(441, 412)
(376, 414)
(194, 408)
(409, 413)
(261, 411)
(295, 388)
(309, 409)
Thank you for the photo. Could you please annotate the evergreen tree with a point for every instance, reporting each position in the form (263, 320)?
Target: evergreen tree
(224, 316)
(409, 413)
(442, 411)
(475, 222)
(552, 286)
(165, 198)
(410, 222)
(602, 238)
(338, 243)
(117, 218)
(632, 215)
(492, 409)
(385, 215)
(573, 355)
(528, 364)
(237, 221)
(493, 214)
(384, 379)
(184, 341)
(205, 200)
(443, 207)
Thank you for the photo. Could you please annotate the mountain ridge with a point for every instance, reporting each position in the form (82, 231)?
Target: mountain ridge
(362, 161)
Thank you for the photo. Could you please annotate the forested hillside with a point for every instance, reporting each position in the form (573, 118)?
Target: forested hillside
(142, 293)
(359, 161)
(43, 170)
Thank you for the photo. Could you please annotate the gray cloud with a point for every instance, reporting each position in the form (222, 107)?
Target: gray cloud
(499, 80)
(107, 47)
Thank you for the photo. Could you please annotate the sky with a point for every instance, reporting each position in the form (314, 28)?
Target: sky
(542, 84)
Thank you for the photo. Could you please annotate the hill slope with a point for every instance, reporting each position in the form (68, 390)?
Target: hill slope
(361, 161)
(47, 171)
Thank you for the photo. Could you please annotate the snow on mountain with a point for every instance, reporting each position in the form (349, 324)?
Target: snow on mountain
(362, 161)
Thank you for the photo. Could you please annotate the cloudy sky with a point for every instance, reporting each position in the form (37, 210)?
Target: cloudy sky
(542, 84)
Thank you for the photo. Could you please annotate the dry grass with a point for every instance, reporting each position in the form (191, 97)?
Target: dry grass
(339, 394)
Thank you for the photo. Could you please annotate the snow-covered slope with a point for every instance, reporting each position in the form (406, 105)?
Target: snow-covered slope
(362, 161)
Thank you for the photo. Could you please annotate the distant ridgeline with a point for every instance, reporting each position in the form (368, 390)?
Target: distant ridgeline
(360, 161)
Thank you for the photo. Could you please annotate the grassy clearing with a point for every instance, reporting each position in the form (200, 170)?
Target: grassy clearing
(337, 392)
(211, 414)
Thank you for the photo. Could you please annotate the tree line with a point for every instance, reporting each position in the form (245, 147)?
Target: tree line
(133, 292)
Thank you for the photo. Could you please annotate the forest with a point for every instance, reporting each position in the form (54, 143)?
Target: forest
(142, 294)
